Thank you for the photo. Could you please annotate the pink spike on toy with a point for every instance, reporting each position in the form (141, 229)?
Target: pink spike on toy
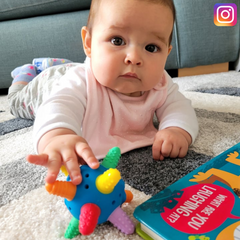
(121, 220)
(88, 219)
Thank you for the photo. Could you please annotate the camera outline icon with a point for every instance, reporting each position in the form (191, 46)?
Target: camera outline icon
(229, 10)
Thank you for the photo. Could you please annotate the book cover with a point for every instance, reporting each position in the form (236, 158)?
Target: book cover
(202, 205)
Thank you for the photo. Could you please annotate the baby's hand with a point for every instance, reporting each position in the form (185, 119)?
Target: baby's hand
(171, 142)
(69, 150)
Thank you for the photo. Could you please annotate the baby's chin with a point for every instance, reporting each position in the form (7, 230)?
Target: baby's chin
(129, 89)
(134, 94)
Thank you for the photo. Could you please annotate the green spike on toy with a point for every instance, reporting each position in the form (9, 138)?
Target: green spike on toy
(112, 158)
(72, 230)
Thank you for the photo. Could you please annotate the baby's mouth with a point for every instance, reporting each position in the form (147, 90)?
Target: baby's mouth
(130, 75)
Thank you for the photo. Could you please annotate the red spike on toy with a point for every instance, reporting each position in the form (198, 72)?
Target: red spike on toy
(88, 218)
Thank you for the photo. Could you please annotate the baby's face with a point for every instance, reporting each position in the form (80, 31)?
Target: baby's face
(130, 45)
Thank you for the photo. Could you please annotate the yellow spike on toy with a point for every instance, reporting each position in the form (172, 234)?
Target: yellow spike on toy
(64, 170)
(106, 182)
(62, 189)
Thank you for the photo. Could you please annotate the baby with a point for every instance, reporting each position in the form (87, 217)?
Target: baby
(111, 98)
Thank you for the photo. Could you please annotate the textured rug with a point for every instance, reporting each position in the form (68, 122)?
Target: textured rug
(28, 212)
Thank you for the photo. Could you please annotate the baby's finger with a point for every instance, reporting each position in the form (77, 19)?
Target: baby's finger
(166, 149)
(41, 159)
(54, 165)
(156, 150)
(183, 152)
(71, 162)
(85, 152)
(161, 157)
(175, 151)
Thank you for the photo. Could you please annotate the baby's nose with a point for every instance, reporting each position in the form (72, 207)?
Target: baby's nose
(133, 57)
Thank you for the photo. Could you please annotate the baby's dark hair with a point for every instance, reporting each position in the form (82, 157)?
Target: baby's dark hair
(96, 3)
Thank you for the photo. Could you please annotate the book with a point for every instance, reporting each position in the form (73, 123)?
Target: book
(203, 205)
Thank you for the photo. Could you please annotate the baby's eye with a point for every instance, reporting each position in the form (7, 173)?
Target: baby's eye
(117, 41)
(152, 48)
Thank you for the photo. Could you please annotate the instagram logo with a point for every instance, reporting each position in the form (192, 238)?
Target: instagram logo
(225, 14)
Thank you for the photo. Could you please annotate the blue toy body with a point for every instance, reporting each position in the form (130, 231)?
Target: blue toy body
(87, 192)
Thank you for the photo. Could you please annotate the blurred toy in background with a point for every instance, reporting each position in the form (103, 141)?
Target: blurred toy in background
(97, 198)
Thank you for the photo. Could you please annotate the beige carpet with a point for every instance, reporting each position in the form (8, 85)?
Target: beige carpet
(28, 212)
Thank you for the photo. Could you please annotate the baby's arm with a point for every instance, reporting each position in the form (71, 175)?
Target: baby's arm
(57, 127)
(62, 146)
(178, 126)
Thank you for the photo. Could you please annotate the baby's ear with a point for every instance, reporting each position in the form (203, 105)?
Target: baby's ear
(86, 39)
(169, 49)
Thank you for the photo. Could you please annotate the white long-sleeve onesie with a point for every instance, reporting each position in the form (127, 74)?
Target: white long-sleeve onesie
(106, 118)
